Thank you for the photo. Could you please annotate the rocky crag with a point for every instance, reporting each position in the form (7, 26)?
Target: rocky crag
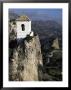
(25, 61)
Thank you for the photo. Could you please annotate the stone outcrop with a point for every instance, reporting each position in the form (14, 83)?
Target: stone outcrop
(26, 60)
(55, 44)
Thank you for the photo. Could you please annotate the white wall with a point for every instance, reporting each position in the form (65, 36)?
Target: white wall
(20, 33)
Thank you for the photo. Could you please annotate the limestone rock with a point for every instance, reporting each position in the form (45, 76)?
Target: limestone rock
(25, 61)
(55, 44)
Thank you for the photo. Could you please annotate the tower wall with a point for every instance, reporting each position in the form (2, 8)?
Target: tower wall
(20, 33)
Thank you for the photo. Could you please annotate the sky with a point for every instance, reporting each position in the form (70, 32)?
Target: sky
(40, 14)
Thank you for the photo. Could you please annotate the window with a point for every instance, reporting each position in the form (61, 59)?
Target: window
(23, 27)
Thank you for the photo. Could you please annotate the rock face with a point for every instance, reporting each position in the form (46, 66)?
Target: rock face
(55, 44)
(26, 61)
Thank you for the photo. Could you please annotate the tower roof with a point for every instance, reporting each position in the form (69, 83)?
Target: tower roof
(23, 18)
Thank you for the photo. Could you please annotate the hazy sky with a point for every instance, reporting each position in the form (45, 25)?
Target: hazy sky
(40, 14)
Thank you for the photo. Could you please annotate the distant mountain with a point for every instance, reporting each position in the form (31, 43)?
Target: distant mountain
(47, 29)
(13, 15)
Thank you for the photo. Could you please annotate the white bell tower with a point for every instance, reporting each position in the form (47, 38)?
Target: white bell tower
(23, 26)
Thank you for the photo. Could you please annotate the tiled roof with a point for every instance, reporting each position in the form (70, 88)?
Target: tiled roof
(23, 18)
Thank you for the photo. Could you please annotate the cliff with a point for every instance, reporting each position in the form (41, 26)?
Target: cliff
(26, 60)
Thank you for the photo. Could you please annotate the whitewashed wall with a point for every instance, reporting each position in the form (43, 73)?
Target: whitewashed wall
(20, 33)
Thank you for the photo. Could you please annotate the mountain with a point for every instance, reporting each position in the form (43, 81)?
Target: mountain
(47, 31)
(47, 28)
(13, 15)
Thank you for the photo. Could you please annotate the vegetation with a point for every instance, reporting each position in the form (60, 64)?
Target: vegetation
(28, 38)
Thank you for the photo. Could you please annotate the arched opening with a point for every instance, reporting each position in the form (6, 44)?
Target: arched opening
(23, 27)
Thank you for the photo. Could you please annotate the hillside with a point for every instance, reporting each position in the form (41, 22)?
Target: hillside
(47, 28)
(48, 31)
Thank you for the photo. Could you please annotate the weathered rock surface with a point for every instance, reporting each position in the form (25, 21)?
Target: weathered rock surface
(26, 60)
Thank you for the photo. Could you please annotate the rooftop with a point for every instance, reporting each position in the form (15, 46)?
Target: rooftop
(23, 18)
